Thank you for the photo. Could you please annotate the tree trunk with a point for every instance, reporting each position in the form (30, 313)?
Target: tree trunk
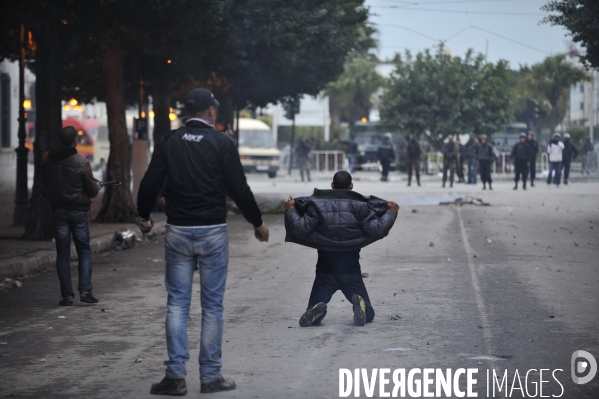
(162, 104)
(48, 124)
(117, 203)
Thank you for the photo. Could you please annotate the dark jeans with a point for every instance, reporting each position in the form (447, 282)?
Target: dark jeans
(76, 223)
(566, 166)
(533, 170)
(416, 165)
(521, 171)
(485, 171)
(325, 285)
(556, 168)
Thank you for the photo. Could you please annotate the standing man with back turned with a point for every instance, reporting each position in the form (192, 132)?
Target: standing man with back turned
(200, 166)
(70, 184)
(534, 150)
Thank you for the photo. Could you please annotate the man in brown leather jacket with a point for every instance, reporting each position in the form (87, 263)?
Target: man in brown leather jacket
(70, 185)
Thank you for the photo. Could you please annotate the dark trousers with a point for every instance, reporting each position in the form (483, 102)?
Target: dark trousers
(416, 165)
(386, 164)
(556, 168)
(326, 284)
(566, 167)
(521, 168)
(76, 223)
(485, 171)
(533, 170)
(448, 165)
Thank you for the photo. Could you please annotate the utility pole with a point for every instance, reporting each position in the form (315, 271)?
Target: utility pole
(292, 108)
(21, 212)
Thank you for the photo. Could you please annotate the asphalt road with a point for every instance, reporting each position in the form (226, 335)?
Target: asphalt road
(513, 286)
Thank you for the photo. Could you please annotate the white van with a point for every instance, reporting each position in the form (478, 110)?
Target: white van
(258, 148)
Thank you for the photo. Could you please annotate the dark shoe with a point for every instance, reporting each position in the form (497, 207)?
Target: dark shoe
(222, 384)
(532, 184)
(312, 314)
(515, 187)
(170, 386)
(88, 298)
(443, 186)
(65, 302)
(450, 185)
(359, 309)
(484, 187)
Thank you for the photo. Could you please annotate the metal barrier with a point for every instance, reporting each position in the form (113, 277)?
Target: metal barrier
(328, 161)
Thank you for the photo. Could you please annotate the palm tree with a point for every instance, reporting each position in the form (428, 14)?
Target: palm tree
(549, 83)
(352, 92)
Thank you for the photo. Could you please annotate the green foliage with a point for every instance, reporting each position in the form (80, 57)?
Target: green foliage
(351, 94)
(443, 95)
(579, 134)
(549, 83)
(580, 18)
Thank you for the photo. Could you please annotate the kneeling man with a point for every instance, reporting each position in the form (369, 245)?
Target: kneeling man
(338, 223)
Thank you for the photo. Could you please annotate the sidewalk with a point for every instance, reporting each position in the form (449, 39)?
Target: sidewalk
(19, 257)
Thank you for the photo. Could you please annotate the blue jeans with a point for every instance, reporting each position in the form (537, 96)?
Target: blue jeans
(187, 247)
(556, 168)
(472, 171)
(351, 158)
(76, 223)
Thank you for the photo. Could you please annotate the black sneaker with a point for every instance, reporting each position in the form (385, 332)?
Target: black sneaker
(88, 298)
(312, 314)
(359, 309)
(222, 384)
(170, 386)
(65, 302)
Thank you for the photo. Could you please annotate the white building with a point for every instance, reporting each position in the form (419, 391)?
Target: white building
(313, 112)
(583, 100)
(9, 121)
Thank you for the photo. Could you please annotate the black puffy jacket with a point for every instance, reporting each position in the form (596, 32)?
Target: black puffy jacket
(338, 220)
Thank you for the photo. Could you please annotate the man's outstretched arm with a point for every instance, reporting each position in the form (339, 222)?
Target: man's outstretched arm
(300, 225)
(378, 228)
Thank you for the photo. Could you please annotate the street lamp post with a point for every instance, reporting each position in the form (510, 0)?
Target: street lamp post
(21, 198)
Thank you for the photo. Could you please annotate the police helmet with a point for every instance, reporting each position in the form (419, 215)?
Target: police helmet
(523, 134)
(483, 136)
(557, 135)
(567, 136)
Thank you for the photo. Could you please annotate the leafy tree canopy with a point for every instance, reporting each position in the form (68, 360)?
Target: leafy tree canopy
(437, 94)
(581, 18)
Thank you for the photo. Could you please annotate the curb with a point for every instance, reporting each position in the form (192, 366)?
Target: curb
(45, 260)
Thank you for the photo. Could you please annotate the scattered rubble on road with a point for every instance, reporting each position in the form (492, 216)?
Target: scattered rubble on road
(466, 201)
(123, 239)
(396, 317)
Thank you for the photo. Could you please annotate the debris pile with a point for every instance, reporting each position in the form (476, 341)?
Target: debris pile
(466, 201)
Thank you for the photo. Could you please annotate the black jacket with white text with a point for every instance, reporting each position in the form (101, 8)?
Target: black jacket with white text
(197, 166)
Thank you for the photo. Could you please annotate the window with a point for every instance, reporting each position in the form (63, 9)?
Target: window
(582, 106)
(582, 88)
(4, 110)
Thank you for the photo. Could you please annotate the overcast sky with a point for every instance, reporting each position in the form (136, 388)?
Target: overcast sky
(510, 27)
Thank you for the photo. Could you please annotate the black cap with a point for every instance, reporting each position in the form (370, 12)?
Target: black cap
(200, 100)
